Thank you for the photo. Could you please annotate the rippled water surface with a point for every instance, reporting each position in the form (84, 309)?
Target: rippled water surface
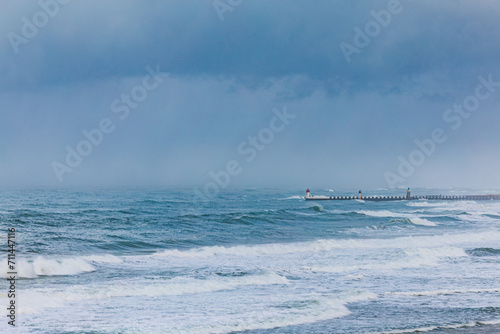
(254, 260)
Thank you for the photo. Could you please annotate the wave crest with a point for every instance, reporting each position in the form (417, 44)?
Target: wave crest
(41, 266)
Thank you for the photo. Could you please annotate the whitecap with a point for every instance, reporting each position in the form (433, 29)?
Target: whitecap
(106, 258)
(445, 292)
(293, 197)
(42, 266)
(421, 221)
(329, 244)
(47, 298)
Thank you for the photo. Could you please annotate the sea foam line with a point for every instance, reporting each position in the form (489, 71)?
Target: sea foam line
(58, 266)
(417, 257)
(412, 218)
(490, 322)
(293, 197)
(422, 221)
(42, 266)
(443, 292)
(41, 299)
(330, 244)
(312, 309)
(437, 327)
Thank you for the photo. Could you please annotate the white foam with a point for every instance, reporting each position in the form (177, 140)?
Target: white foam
(490, 322)
(445, 292)
(355, 277)
(304, 214)
(417, 257)
(482, 207)
(253, 313)
(391, 265)
(463, 210)
(412, 218)
(421, 221)
(45, 298)
(322, 245)
(422, 203)
(446, 251)
(427, 329)
(41, 266)
(295, 197)
(381, 213)
(312, 309)
(180, 286)
(404, 331)
(107, 258)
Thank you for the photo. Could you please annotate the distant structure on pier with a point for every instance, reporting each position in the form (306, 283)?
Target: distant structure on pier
(408, 197)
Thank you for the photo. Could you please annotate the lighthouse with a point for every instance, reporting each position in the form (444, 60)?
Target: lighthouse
(308, 193)
(408, 194)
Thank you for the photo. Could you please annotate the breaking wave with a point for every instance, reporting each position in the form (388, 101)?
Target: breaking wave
(418, 257)
(292, 312)
(421, 221)
(294, 197)
(41, 266)
(42, 299)
(329, 244)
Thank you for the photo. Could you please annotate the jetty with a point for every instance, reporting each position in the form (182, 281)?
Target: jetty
(408, 197)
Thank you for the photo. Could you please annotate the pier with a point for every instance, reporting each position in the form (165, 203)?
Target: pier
(408, 197)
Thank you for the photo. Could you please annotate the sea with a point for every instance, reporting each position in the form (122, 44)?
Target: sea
(249, 260)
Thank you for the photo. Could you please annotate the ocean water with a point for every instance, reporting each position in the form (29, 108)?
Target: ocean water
(251, 260)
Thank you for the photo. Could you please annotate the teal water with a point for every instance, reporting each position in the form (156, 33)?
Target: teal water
(252, 260)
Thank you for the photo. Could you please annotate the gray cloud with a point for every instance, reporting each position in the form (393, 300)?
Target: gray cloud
(353, 119)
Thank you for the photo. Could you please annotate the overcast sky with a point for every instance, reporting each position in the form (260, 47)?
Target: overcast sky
(333, 93)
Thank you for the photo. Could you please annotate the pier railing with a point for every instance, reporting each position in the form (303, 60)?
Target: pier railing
(402, 198)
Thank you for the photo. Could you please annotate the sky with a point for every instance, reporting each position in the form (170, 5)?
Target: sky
(237, 93)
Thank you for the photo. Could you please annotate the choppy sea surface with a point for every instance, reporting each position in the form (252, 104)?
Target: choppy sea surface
(251, 260)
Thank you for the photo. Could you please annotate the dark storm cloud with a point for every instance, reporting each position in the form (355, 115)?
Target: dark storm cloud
(226, 76)
(257, 40)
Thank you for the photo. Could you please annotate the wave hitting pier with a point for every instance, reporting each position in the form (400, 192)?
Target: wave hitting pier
(408, 197)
